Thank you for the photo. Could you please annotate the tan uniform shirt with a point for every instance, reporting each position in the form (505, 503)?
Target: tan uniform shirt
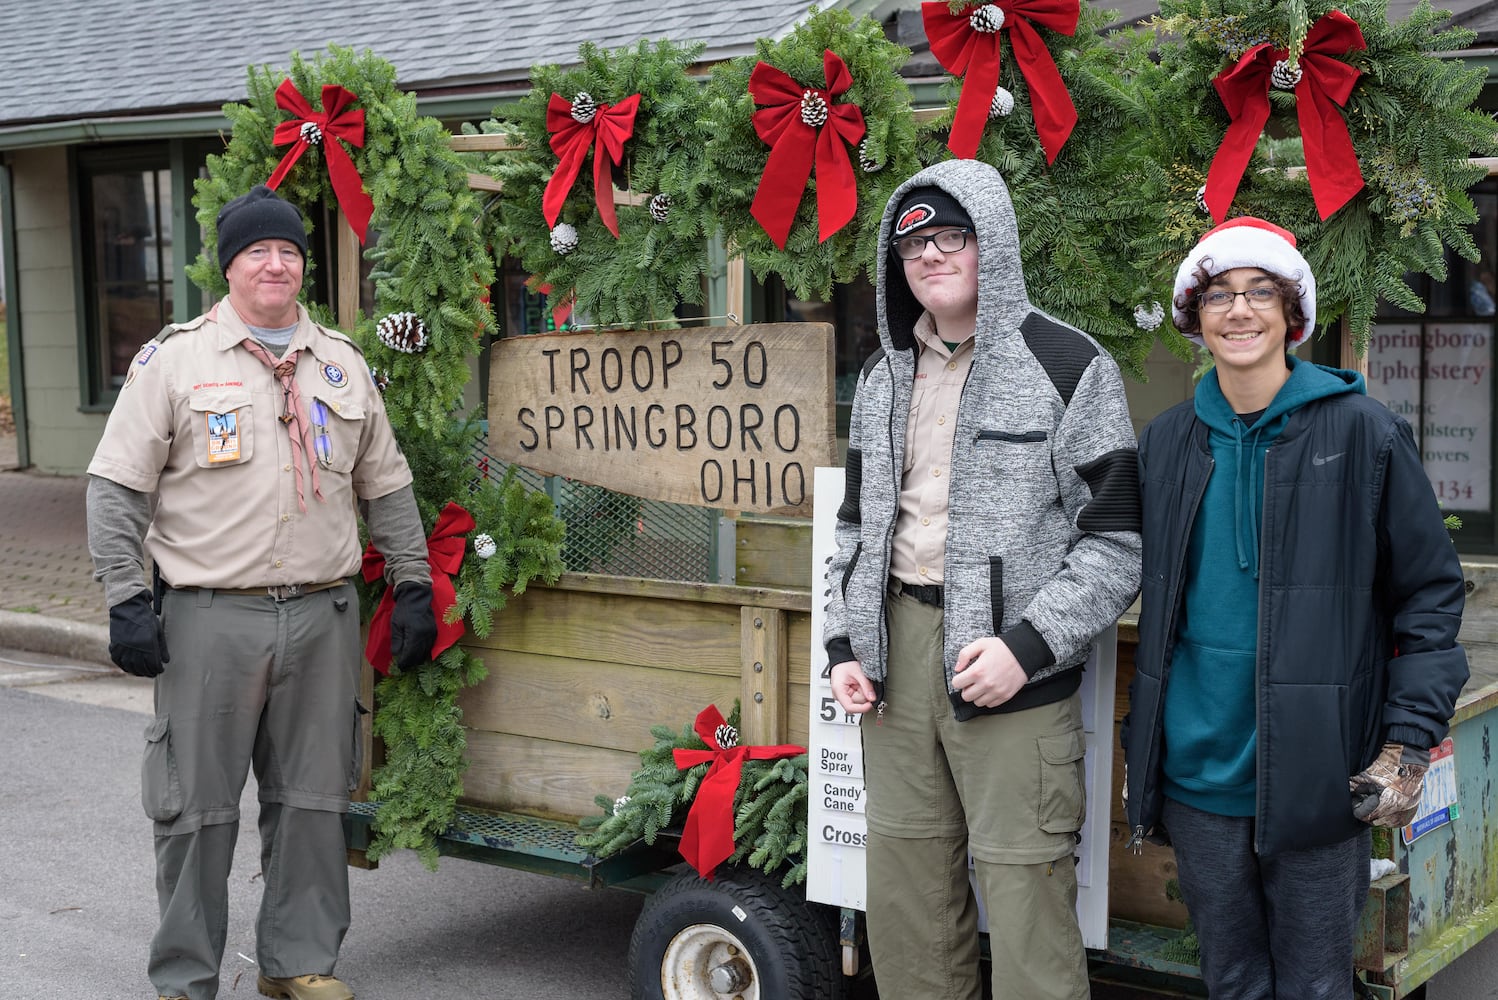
(918, 554)
(197, 422)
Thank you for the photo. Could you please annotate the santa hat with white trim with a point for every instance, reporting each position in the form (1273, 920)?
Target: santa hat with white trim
(1248, 242)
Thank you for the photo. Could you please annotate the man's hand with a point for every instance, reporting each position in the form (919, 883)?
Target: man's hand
(413, 625)
(987, 674)
(137, 643)
(852, 689)
(1387, 792)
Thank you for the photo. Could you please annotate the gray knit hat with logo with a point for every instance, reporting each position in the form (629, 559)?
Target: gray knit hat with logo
(259, 214)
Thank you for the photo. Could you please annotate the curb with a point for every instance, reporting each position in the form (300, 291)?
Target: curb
(55, 636)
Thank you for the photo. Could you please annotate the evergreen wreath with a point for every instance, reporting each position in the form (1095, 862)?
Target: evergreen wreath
(737, 156)
(660, 258)
(769, 808)
(1074, 215)
(430, 261)
(1412, 125)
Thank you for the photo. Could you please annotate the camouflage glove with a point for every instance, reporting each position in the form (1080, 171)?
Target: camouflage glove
(1387, 792)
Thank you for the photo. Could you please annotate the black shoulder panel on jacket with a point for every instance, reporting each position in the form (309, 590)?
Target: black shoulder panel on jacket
(1061, 351)
(1114, 481)
(874, 359)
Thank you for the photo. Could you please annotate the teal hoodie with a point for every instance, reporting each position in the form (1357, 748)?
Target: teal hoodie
(1210, 703)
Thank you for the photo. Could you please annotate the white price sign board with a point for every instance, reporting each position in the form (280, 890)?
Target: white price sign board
(836, 828)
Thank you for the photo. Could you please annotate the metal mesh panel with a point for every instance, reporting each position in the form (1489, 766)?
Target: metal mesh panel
(617, 534)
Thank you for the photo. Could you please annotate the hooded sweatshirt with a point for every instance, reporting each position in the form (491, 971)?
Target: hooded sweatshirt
(1210, 700)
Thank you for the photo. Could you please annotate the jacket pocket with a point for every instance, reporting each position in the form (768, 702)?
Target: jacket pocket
(1303, 782)
(996, 592)
(223, 427)
(1063, 804)
(1013, 437)
(335, 439)
(160, 785)
(356, 756)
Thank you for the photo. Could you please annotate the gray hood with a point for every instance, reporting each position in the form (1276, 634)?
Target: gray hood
(1002, 301)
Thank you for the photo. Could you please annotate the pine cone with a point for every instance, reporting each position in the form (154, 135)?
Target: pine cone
(660, 207)
(311, 134)
(583, 107)
(1149, 317)
(1285, 75)
(1002, 104)
(484, 547)
(1201, 198)
(727, 736)
(380, 377)
(813, 109)
(404, 332)
(987, 19)
(867, 164)
(563, 239)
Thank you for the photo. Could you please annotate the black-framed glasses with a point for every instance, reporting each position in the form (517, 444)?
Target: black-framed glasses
(947, 241)
(1220, 300)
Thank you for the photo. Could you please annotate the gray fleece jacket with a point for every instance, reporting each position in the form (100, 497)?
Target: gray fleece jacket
(1043, 542)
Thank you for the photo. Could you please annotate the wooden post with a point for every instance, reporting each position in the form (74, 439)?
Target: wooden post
(1350, 358)
(350, 255)
(736, 299)
(762, 676)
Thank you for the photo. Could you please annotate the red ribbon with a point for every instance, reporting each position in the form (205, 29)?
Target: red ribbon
(967, 52)
(336, 121)
(1325, 84)
(571, 139)
(445, 547)
(707, 840)
(795, 147)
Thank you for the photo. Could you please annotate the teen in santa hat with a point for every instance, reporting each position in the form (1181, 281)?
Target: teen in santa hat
(1297, 636)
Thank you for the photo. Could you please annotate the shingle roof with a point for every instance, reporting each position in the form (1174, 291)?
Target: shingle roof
(68, 59)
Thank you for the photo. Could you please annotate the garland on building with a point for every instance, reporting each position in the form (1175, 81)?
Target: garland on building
(1068, 186)
(769, 806)
(809, 258)
(631, 118)
(431, 276)
(1365, 217)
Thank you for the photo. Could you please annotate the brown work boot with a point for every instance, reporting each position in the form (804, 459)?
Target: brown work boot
(313, 987)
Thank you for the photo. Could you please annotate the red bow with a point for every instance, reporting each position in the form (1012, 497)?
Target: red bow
(445, 547)
(571, 139)
(1325, 84)
(796, 145)
(967, 52)
(335, 121)
(707, 840)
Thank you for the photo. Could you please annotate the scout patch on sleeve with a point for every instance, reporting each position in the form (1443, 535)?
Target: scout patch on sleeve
(223, 436)
(334, 375)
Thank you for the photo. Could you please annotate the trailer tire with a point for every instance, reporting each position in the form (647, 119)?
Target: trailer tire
(762, 941)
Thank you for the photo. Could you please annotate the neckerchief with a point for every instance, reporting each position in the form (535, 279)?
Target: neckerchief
(295, 417)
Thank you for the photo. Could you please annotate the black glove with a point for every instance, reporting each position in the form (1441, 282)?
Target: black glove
(137, 642)
(413, 625)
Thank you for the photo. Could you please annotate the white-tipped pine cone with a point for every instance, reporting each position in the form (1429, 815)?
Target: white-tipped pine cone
(583, 107)
(620, 803)
(813, 109)
(379, 377)
(563, 238)
(1285, 75)
(660, 207)
(311, 134)
(1002, 104)
(727, 736)
(1149, 317)
(404, 332)
(1201, 199)
(484, 547)
(987, 19)
(864, 161)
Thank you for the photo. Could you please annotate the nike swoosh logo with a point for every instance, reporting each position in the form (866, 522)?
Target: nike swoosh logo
(1316, 459)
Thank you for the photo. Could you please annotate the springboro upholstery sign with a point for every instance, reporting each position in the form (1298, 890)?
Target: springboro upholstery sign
(728, 417)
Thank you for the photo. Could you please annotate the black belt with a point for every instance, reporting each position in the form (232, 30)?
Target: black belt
(282, 592)
(926, 593)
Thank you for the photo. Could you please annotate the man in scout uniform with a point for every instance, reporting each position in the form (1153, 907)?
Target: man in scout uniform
(255, 431)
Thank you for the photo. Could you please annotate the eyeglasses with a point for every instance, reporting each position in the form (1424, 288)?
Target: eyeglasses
(947, 241)
(1220, 300)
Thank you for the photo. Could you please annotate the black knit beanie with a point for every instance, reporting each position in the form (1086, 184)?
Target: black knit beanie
(928, 206)
(260, 214)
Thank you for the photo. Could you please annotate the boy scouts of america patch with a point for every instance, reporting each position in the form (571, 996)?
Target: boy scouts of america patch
(334, 376)
(914, 218)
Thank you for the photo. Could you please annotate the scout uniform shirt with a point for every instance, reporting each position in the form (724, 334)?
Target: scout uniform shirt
(198, 422)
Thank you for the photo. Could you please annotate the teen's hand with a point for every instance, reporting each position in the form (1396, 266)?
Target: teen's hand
(852, 689)
(987, 674)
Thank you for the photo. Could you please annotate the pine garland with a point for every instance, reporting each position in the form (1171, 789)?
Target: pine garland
(653, 266)
(1411, 121)
(736, 157)
(1074, 215)
(769, 807)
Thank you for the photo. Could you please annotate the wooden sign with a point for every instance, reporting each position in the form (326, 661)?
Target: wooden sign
(729, 417)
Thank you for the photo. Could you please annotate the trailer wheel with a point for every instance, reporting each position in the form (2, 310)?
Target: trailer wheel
(739, 936)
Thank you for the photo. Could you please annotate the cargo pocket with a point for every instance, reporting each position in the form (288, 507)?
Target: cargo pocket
(356, 757)
(160, 785)
(1062, 780)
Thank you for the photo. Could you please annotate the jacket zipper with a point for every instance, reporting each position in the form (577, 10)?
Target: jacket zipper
(889, 532)
(1259, 666)
(1136, 841)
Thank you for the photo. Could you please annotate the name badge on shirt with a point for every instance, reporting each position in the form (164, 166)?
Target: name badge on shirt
(223, 436)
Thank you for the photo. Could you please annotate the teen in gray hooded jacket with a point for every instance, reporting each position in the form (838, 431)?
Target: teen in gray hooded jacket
(989, 532)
